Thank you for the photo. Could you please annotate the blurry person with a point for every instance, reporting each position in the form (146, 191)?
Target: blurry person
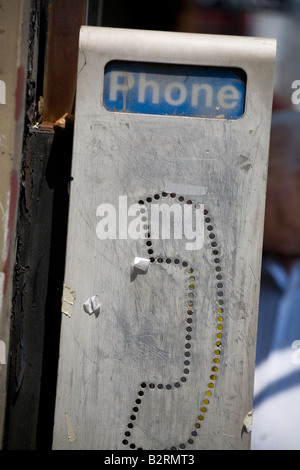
(276, 415)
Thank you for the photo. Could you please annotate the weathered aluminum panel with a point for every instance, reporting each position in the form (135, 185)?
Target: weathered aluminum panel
(158, 335)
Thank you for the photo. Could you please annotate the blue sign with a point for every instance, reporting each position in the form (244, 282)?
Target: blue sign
(174, 90)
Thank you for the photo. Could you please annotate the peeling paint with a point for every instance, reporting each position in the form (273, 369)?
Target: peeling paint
(13, 201)
(2, 282)
(2, 353)
(2, 92)
(68, 299)
(70, 428)
(5, 219)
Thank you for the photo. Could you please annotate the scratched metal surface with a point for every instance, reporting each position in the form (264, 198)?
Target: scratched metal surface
(167, 361)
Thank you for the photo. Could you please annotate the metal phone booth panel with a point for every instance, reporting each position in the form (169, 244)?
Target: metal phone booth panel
(160, 301)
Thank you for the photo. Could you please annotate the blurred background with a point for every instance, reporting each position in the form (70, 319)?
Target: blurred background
(278, 19)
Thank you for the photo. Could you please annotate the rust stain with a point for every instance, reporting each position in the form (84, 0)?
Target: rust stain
(65, 19)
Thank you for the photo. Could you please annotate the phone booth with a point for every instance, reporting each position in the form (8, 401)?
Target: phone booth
(159, 309)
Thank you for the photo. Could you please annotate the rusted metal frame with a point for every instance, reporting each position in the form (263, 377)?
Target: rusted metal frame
(65, 19)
